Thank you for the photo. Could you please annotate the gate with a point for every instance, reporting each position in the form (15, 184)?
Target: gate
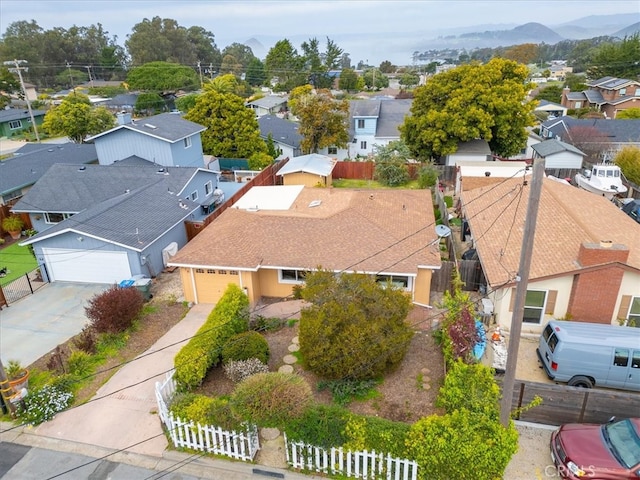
(22, 286)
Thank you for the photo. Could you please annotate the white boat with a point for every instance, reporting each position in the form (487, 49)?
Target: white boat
(603, 179)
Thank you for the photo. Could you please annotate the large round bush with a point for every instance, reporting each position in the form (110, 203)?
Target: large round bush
(244, 346)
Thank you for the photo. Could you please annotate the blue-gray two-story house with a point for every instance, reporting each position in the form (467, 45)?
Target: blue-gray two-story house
(167, 140)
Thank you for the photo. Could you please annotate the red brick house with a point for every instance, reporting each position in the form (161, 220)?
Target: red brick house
(608, 95)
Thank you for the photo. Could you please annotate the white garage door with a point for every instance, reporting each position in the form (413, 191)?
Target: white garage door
(88, 266)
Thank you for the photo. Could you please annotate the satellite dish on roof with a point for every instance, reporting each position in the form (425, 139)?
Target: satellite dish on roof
(443, 231)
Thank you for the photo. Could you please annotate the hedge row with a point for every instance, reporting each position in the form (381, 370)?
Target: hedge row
(230, 316)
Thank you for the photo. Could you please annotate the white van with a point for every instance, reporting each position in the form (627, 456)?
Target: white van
(589, 354)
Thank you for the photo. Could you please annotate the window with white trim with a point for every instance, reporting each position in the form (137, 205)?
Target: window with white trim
(534, 306)
(194, 195)
(578, 105)
(208, 188)
(400, 281)
(361, 123)
(332, 150)
(633, 319)
(187, 142)
(291, 276)
(622, 92)
(363, 145)
(15, 124)
(53, 217)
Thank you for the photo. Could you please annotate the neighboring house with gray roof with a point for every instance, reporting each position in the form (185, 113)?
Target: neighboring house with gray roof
(13, 121)
(477, 150)
(284, 134)
(608, 136)
(269, 105)
(608, 95)
(167, 140)
(20, 172)
(124, 102)
(371, 123)
(558, 154)
(104, 224)
(310, 170)
(550, 108)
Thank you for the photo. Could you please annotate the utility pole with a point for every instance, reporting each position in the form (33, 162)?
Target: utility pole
(73, 87)
(200, 72)
(18, 69)
(90, 78)
(211, 70)
(521, 291)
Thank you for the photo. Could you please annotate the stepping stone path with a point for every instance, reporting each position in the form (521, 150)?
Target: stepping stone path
(289, 359)
(425, 378)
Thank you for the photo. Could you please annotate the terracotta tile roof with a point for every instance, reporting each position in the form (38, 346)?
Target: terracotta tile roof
(389, 231)
(567, 217)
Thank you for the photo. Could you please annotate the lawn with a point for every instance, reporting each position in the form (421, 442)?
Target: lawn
(18, 261)
(358, 183)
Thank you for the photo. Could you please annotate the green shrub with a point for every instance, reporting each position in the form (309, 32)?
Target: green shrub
(238, 370)
(244, 346)
(115, 309)
(461, 445)
(320, 425)
(344, 391)
(86, 341)
(80, 364)
(470, 387)
(266, 324)
(229, 317)
(271, 399)
(391, 174)
(205, 411)
(427, 176)
(379, 434)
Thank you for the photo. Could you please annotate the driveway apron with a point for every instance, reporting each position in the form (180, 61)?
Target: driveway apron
(123, 413)
(38, 323)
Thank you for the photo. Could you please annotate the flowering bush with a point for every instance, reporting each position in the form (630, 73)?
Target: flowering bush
(238, 370)
(42, 404)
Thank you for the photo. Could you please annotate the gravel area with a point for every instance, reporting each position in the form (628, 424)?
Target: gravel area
(533, 460)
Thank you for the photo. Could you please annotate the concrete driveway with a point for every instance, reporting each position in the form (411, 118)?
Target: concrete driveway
(38, 323)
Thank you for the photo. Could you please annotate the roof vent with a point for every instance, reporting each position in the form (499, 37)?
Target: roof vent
(148, 125)
(82, 168)
(606, 243)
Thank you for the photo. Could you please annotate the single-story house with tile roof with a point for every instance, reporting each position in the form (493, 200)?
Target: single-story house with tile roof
(585, 262)
(269, 105)
(284, 133)
(30, 162)
(15, 120)
(166, 139)
(311, 170)
(558, 154)
(267, 241)
(107, 223)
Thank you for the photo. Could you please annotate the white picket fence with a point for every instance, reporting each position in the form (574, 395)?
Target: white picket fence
(359, 464)
(187, 434)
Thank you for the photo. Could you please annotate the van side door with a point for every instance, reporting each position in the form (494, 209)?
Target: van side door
(633, 379)
(619, 368)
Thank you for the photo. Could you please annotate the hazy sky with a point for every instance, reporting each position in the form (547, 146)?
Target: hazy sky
(345, 22)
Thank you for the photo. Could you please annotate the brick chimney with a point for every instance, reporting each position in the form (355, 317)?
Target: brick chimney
(594, 293)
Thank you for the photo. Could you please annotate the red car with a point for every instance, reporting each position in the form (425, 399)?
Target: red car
(609, 451)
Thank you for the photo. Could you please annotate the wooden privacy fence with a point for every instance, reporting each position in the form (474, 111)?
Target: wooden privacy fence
(206, 438)
(359, 464)
(563, 404)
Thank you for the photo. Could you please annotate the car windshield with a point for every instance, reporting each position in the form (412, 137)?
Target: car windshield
(624, 442)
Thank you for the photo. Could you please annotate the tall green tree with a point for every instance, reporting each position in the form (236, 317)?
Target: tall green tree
(355, 328)
(628, 159)
(470, 102)
(77, 119)
(348, 80)
(149, 103)
(618, 59)
(8, 84)
(284, 63)
(164, 40)
(323, 120)
(232, 129)
(374, 79)
(242, 53)
(163, 76)
(255, 74)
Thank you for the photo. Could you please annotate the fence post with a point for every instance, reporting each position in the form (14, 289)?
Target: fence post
(29, 282)
(584, 406)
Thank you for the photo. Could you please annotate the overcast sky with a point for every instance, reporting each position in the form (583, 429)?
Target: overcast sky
(268, 21)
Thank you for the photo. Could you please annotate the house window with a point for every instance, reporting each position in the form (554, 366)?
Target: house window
(208, 188)
(578, 105)
(633, 319)
(233, 272)
(199, 270)
(534, 306)
(15, 124)
(363, 145)
(222, 272)
(194, 195)
(291, 276)
(211, 272)
(622, 92)
(361, 123)
(54, 218)
(400, 281)
(187, 142)
(332, 150)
